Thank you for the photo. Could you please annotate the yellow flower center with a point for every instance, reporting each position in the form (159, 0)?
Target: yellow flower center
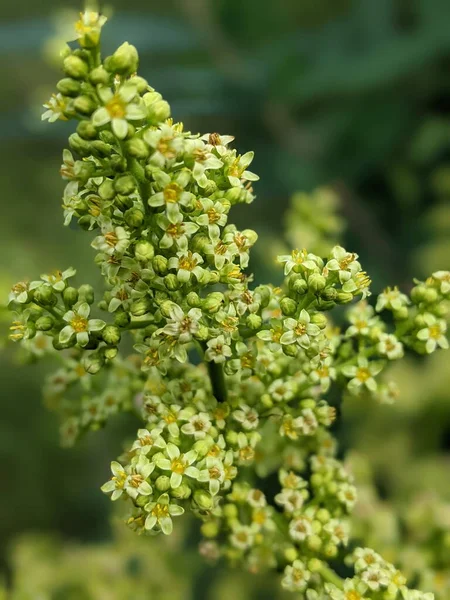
(363, 374)
(111, 238)
(79, 324)
(214, 473)
(346, 261)
(160, 511)
(172, 193)
(188, 263)
(116, 107)
(178, 466)
(213, 215)
(352, 595)
(300, 329)
(175, 230)
(136, 480)
(435, 332)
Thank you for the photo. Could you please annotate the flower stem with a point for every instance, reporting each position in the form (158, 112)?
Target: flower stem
(331, 577)
(217, 378)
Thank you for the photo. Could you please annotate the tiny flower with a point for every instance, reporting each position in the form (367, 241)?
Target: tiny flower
(290, 500)
(246, 416)
(296, 577)
(56, 108)
(300, 528)
(114, 240)
(242, 537)
(147, 440)
(136, 483)
(214, 216)
(179, 464)
(362, 375)
(238, 169)
(443, 279)
(299, 331)
(187, 264)
(118, 109)
(116, 484)
(345, 263)
(297, 260)
(177, 233)
(390, 346)
(198, 425)
(214, 474)
(180, 325)
(161, 513)
(173, 195)
(391, 299)
(57, 280)
(218, 351)
(79, 325)
(434, 334)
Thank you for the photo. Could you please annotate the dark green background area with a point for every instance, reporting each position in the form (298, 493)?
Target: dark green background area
(352, 93)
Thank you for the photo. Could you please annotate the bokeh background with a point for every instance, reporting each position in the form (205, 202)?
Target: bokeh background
(354, 94)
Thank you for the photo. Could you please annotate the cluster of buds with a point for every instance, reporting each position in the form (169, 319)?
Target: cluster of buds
(157, 200)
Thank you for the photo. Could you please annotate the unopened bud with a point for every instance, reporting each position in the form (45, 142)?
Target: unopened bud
(203, 499)
(125, 60)
(159, 264)
(125, 185)
(86, 130)
(144, 251)
(45, 323)
(344, 297)
(70, 296)
(111, 335)
(140, 307)
(134, 217)
(86, 293)
(75, 67)
(253, 321)
(213, 302)
(137, 148)
(93, 363)
(171, 282)
(288, 306)
(193, 300)
(99, 75)
(68, 87)
(84, 105)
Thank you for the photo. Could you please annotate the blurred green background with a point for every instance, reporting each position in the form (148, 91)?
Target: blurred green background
(349, 93)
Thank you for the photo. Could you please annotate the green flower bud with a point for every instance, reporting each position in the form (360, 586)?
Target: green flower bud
(100, 149)
(266, 401)
(125, 185)
(141, 84)
(166, 308)
(75, 67)
(110, 353)
(123, 202)
(323, 515)
(344, 297)
(118, 163)
(314, 543)
(210, 529)
(253, 321)
(431, 296)
(151, 97)
(44, 295)
(300, 286)
(182, 492)
(316, 282)
(213, 302)
(134, 217)
(203, 499)
(84, 105)
(86, 292)
(106, 190)
(159, 264)
(419, 321)
(161, 297)
(138, 148)
(140, 307)
(162, 484)
(158, 112)
(323, 305)
(315, 565)
(111, 335)
(291, 554)
(171, 282)
(193, 300)
(418, 294)
(122, 319)
(320, 320)
(45, 323)
(230, 511)
(141, 501)
(264, 292)
(144, 251)
(330, 550)
(402, 313)
(99, 75)
(79, 145)
(70, 296)
(288, 306)
(202, 333)
(86, 130)
(290, 350)
(68, 87)
(93, 363)
(329, 294)
(125, 60)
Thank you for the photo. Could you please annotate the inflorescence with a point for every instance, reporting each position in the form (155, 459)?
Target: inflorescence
(232, 382)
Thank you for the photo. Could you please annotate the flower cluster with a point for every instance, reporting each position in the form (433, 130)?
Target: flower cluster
(272, 363)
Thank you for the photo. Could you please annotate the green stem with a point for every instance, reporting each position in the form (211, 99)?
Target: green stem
(139, 324)
(217, 378)
(331, 577)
